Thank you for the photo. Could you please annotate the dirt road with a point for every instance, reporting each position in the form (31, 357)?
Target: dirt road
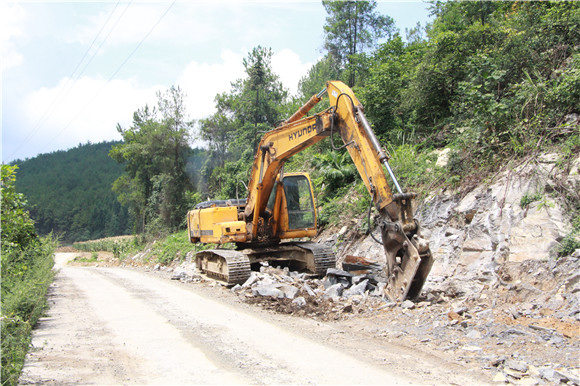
(113, 325)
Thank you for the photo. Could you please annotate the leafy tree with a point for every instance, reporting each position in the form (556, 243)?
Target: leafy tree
(252, 106)
(352, 27)
(384, 93)
(155, 152)
(336, 169)
(17, 226)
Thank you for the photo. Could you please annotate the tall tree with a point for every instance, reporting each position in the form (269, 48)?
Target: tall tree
(154, 152)
(352, 27)
(253, 105)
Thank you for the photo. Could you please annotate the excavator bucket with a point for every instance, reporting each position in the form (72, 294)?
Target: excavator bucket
(408, 265)
(408, 257)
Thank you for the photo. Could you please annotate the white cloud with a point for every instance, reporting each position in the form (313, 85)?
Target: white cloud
(87, 112)
(289, 67)
(11, 18)
(202, 81)
(90, 111)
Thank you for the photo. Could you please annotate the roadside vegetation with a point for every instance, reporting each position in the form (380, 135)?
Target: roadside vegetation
(26, 275)
(119, 246)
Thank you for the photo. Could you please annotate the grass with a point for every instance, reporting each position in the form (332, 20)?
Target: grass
(27, 274)
(93, 259)
(174, 246)
(120, 246)
(163, 251)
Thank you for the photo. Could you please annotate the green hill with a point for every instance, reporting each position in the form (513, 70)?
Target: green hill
(69, 193)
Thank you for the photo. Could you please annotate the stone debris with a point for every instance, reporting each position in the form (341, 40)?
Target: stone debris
(299, 302)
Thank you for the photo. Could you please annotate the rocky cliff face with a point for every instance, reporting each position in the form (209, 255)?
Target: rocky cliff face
(506, 221)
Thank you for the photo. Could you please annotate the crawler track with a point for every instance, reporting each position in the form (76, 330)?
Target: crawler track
(231, 267)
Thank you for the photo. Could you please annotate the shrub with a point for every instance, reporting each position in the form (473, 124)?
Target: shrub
(26, 275)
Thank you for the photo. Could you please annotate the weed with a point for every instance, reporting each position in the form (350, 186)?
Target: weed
(572, 241)
(527, 199)
(174, 246)
(93, 259)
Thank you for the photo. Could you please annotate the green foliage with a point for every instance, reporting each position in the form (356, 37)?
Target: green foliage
(572, 241)
(155, 152)
(26, 265)
(351, 28)
(325, 69)
(334, 169)
(121, 246)
(414, 169)
(174, 246)
(253, 106)
(69, 193)
(527, 199)
(17, 227)
(93, 259)
(384, 94)
(490, 78)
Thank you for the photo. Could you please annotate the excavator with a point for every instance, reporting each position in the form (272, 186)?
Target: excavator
(280, 207)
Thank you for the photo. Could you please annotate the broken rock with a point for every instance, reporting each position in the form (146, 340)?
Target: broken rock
(516, 365)
(299, 302)
(334, 291)
(358, 289)
(289, 291)
(407, 304)
(268, 290)
(251, 280)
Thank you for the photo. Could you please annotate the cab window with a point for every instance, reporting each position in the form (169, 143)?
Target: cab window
(299, 202)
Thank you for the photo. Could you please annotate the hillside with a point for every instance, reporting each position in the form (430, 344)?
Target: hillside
(69, 192)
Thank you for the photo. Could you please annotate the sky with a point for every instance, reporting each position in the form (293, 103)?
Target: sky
(72, 71)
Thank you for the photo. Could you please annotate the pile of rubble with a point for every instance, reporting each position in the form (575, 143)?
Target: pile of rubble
(339, 294)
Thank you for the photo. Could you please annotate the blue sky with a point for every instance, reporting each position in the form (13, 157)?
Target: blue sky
(72, 70)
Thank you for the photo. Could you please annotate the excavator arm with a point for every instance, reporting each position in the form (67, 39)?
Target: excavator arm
(408, 258)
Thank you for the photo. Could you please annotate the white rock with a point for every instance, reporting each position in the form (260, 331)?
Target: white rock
(299, 301)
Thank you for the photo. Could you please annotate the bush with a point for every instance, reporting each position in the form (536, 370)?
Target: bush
(26, 275)
(174, 246)
(572, 241)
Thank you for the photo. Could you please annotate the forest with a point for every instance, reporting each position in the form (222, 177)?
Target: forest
(492, 81)
(69, 193)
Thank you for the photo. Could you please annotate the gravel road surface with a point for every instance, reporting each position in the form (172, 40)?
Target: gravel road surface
(114, 325)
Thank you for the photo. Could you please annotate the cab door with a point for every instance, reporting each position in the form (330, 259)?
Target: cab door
(297, 208)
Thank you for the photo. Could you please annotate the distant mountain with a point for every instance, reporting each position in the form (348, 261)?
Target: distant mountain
(69, 193)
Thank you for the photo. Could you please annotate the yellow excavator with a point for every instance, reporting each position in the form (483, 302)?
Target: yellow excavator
(280, 206)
